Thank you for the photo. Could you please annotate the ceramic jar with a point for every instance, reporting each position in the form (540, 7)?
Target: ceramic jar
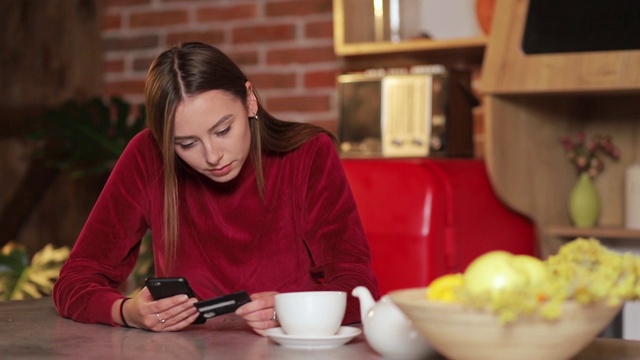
(584, 202)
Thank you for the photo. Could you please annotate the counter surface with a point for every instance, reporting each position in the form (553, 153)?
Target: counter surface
(31, 329)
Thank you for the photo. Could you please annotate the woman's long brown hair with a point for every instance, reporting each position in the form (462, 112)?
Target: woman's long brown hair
(190, 69)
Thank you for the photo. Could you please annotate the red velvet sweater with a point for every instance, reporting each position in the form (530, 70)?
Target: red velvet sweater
(305, 235)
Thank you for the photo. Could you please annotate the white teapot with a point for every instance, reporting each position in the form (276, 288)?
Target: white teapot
(387, 330)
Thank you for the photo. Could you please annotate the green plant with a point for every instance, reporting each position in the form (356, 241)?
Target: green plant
(21, 279)
(87, 137)
(84, 138)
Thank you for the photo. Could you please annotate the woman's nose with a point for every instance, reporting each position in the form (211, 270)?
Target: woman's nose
(212, 154)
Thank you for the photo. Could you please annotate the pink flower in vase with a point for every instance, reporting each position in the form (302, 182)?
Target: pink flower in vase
(586, 153)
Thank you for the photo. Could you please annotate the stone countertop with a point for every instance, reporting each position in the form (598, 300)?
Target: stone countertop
(31, 329)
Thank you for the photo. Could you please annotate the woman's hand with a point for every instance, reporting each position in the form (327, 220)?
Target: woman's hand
(260, 313)
(169, 314)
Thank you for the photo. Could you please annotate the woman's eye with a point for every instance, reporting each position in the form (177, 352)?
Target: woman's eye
(186, 145)
(223, 131)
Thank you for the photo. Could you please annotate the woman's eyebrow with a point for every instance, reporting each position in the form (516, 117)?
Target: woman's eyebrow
(213, 127)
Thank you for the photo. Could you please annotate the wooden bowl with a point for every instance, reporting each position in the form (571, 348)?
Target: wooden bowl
(461, 333)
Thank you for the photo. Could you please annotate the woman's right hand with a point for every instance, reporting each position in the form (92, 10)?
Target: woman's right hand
(169, 314)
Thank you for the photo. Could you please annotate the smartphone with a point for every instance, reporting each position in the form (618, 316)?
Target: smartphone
(161, 288)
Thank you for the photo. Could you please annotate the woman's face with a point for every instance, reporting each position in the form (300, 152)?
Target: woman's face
(212, 133)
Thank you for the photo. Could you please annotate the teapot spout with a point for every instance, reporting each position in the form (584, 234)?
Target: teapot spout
(366, 300)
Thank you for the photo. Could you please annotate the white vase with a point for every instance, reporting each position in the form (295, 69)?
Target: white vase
(632, 197)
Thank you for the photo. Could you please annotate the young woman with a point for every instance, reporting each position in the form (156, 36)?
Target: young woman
(235, 200)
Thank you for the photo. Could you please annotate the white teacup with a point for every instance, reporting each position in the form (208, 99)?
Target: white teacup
(311, 313)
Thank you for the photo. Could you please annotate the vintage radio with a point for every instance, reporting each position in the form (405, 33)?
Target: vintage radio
(424, 111)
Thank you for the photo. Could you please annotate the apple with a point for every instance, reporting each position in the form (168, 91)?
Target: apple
(492, 272)
(534, 268)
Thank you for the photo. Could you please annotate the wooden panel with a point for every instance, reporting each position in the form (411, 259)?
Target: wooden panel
(527, 164)
(522, 151)
(507, 69)
(50, 52)
(362, 30)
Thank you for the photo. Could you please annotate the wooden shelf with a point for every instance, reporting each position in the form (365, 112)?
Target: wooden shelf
(597, 232)
(472, 46)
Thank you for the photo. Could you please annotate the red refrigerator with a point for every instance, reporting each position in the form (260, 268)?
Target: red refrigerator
(429, 217)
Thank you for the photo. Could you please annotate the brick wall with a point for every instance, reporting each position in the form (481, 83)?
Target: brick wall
(284, 46)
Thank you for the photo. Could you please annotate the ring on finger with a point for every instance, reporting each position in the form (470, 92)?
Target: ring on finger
(274, 318)
(161, 320)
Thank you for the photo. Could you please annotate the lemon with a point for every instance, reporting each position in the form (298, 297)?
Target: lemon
(443, 288)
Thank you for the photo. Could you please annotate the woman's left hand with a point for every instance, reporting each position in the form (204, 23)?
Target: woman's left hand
(260, 313)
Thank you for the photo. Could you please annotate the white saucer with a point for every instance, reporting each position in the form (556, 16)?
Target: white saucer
(343, 336)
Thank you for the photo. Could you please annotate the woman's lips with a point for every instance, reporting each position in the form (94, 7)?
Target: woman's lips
(221, 171)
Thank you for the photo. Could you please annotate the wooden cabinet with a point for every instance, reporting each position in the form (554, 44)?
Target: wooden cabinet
(364, 39)
(530, 101)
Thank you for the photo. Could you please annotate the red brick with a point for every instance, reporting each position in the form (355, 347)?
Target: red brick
(320, 79)
(111, 21)
(158, 18)
(121, 43)
(125, 87)
(319, 30)
(301, 55)
(212, 37)
(142, 64)
(113, 66)
(243, 58)
(114, 3)
(299, 7)
(226, 13)
(302, 103)
(273, 80)
(263, 33)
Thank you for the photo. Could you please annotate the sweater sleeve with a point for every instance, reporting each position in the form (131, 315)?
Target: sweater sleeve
(334, 233)
(107, 248)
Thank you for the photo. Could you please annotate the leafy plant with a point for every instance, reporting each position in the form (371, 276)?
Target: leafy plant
(20, 279)
(88, 137)
(85, 138)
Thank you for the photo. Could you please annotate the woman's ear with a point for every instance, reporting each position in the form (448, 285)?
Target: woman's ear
(252, 101)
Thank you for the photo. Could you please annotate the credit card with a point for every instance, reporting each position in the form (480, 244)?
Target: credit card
(222, 305)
